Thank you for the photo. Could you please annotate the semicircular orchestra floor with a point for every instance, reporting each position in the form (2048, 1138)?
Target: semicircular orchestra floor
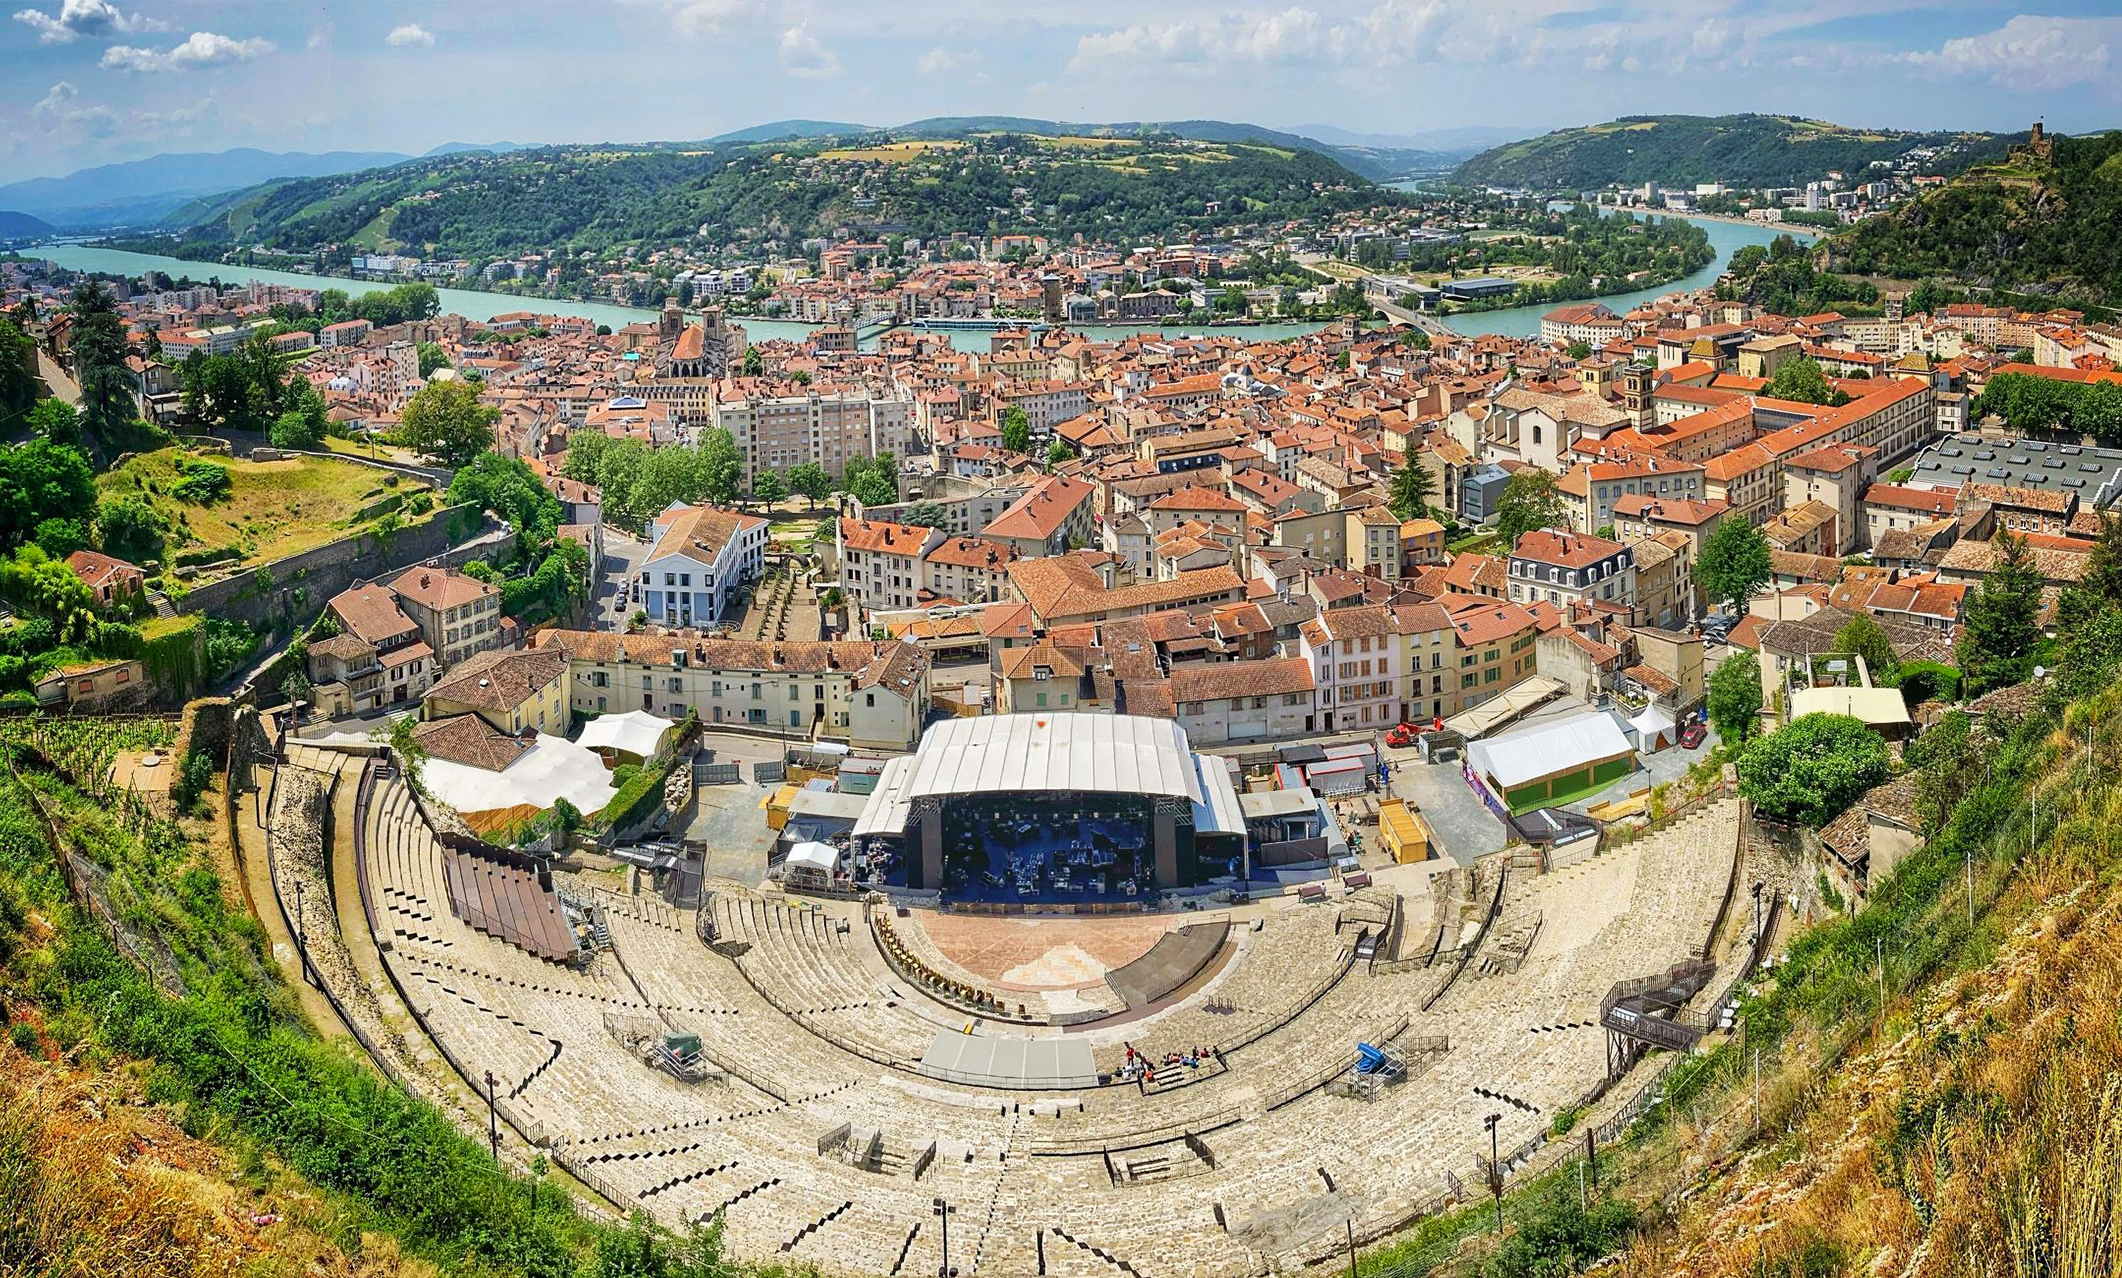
(1038, 954)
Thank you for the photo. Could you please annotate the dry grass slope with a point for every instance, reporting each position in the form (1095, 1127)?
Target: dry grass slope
(1978, 1130)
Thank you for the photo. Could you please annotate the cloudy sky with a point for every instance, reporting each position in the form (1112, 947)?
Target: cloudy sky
(90, 81)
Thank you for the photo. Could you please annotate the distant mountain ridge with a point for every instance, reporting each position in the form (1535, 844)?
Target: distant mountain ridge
(1682, 150)
(1146, 182)
(175, 188)
(21, 226)
(143, 192)
(1377, 159)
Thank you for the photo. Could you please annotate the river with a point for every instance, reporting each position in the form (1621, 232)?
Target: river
(1517, 321)
(476, 305)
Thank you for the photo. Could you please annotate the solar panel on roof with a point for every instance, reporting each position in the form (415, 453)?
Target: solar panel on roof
(2052, 463)
(1985, 455)
(1948, 452)
(2034, 445)
(1996, 474)
(2073, 449)
(2091, 468)
(1963, 470)
(2074, 483)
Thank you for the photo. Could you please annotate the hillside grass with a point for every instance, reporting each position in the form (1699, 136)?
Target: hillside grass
(192, 1022)
(274, 509)
(893, 152)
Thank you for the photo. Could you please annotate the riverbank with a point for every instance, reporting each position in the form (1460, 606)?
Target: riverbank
(1781, 228)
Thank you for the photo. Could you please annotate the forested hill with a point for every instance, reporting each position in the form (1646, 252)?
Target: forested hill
(2047, 227)
(605, 196)
(1740, 150)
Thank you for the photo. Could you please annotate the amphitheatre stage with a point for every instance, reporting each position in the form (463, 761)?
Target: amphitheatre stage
(783, 1062)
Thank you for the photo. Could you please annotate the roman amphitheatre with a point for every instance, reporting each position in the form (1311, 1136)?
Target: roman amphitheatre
(855, 1084)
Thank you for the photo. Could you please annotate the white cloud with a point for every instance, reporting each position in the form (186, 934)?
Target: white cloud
(412, 33)
(1389, 32)
(2032, 54)
(95, 19)
(61, 112)
(706, 17)
(803, 55)
(200, 49)
(177, 122)
(939, 60)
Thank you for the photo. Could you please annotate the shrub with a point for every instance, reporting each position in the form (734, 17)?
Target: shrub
(202, 483)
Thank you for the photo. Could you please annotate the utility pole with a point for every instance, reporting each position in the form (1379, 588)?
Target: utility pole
(1879, 950)
(1591, 1156)
(1758, 885)
(1495, 1169)
(1757, 1087)
(1351, 1223)
(493, 1124)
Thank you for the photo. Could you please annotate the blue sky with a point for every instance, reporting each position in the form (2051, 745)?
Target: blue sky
(90, 81)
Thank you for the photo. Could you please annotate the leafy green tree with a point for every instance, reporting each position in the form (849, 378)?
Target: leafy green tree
(1058, 451)
(1803, 381)
(1412, 487)
(1530, 501)
(18, 370)
(810, 479)
(926, 514)
(1735, 697)
(446, 420)
(1416, 338)
(768, 488)
(754, 362)
(1016, 430)
(1922, 681)
(1809, 770)
(872, 481)
(2000, 623)
(130, 529)
(2099, 588)
(432, 357)
(1580, 350)
(56, 421)
(1863, 636)
(61, 537)
(40, 584)
(40, 480)
(99, 354)
(723, 472)
(508, 489)
(1734, 563)
(302, 423)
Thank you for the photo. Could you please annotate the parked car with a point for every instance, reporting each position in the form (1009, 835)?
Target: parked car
(1691, 735)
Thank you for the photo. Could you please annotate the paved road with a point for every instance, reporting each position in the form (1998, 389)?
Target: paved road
(63, 386)
(622, 563)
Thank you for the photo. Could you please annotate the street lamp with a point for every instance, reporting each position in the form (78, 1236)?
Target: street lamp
(493, 1125)
(942, 1211)
(1495, 1169)
(1758, 885)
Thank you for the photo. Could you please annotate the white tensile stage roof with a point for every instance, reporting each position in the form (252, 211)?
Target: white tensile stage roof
(1048, 753)
(1110, 753)
(1010, 1062)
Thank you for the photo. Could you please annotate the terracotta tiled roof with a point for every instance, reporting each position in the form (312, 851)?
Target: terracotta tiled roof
(470, 740)
(498, 679)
